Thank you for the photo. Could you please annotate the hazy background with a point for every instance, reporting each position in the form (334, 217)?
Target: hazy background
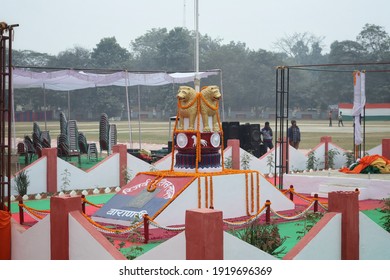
(52, 26)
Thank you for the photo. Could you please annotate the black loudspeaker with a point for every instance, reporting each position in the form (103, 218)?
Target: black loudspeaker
(225, 129)
(255, 133)
(245, 136)
(169, 146)
(231, 130)
(255, 139)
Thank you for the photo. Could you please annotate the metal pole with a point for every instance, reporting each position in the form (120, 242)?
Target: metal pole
(128, 108)
(197, 79)
(68, 105)
(222, 98)
(44, 104)
(139, 116)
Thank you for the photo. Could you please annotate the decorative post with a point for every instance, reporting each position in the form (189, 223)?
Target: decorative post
(122, 151)
(268, 212)
(315, 203)
(51, 172)
(235, 144)
(347, 203)
(204, 234)
(59, 225)
(146, 228)
(83, 203)
(291, 192)
(326, 140)
(21, 213)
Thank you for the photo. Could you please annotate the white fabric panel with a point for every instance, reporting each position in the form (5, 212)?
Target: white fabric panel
(66, 80)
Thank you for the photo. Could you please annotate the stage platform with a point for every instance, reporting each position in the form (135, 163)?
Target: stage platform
(371, 186)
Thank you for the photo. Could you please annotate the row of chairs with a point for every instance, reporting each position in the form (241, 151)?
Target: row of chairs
(70, 142)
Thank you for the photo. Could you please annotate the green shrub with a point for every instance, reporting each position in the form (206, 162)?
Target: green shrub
(265, 237)
(22, 182)
(311, 218)
(386, 209)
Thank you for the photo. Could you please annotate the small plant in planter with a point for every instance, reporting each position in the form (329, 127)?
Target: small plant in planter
(312, 161)
(270, 162)
(386, 209)
(65, 180)
(265, 237)
(245, 161)
(22, 182)
(331, 154)
(128, 174)
(349, 158)
(228, 163)
(308, 222)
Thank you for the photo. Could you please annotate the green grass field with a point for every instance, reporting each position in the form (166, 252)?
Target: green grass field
(158, 132)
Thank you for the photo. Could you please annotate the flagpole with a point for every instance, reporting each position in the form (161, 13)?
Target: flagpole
(197, 79)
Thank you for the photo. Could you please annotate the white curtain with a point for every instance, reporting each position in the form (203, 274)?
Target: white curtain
(359, 101)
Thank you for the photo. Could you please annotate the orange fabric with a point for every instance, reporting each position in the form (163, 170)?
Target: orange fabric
(363, 163)
(5, 235)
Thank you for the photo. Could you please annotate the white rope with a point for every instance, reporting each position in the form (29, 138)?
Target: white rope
(293, 217)
(250, 220)
(119, 231)
(166, 228)
(323, 206)
(32, 216)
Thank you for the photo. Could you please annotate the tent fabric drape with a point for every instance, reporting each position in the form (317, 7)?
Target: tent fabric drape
(65, 80)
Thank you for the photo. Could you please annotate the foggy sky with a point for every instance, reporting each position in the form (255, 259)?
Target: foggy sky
(52, 26)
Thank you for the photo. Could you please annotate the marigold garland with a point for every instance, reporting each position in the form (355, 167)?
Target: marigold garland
(198, 98)
(252, 194)
(258, 189)
(209, 197)
(83, 199)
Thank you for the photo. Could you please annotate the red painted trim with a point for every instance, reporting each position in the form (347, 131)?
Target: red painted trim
(309, 236)
(28, 166)
(103, 241)
(368, 105)
(162, 159)
(100, 162)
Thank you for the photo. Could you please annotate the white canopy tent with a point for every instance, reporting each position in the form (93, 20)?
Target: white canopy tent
(65, 80)
(68, 80)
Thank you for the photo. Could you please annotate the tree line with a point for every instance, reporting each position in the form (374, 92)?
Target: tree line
(248, 75)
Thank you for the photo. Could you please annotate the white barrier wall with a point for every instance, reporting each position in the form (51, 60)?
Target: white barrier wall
(31, 244)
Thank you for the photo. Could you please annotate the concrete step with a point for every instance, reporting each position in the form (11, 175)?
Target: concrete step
(324, 189)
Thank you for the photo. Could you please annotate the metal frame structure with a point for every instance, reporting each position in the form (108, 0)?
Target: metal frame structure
(281, 161)
(281, 123)
(6, 36)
